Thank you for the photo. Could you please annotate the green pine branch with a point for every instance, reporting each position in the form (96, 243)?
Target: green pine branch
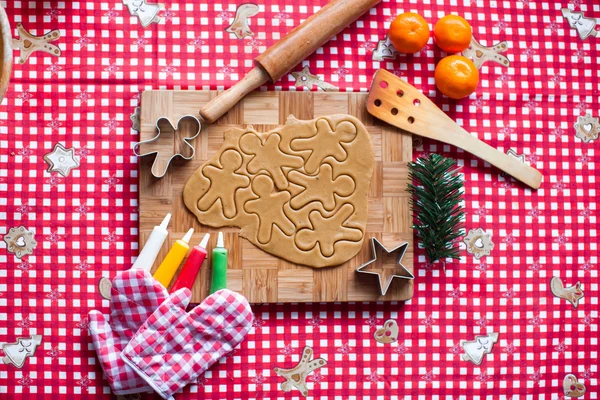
(437, 191)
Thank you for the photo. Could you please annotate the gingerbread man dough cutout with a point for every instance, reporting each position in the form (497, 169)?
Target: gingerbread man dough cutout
(230, 161)
(480, 54)
(321, 187)
(239, 26)
(28, 43)
(269, 208)
(327, 142)
(269, 157)
(328, 231)
(296, 377)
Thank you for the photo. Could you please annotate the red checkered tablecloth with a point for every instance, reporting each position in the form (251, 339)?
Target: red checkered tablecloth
(86, 224)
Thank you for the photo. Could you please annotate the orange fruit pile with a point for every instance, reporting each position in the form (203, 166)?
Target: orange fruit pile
(456, 76)
(452, 34)
(409, 33)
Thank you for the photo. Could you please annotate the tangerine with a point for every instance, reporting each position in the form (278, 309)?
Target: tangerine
(409, 33)
(456, 76)
(452, 34)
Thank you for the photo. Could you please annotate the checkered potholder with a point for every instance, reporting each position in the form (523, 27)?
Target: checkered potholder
(135, 295)
(174, 347)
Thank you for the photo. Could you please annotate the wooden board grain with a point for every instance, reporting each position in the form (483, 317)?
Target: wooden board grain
(260, 276)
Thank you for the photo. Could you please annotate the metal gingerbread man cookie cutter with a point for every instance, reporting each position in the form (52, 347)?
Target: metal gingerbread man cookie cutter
(171, 141)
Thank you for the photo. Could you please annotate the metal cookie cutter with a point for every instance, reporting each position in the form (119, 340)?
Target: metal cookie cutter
(385, 271)
(171, 141)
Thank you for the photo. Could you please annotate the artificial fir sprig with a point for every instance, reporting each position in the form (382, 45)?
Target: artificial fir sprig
(436, 191)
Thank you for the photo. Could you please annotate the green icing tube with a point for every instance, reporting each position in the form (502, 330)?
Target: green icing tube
(219, 266)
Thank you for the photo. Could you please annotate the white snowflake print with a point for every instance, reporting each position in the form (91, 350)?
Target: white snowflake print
(258, 379)
(536, 376)
(54, 295)
(483, 377)
(531, 105)
(428, 377)
(586, 267)
(53, 13)
(316, 377)
(368, 45)
(225, 16)
(501, 25)
(372, 321)
(83, 96)
(509, 294)
(112, 181)
(561, 347)
(556, 80)
(168, 14)
(482, 322)
(557, 132)
(53, 181)
(201, 380)
(479, 103)
(197, 43)
(398, 71)
(559, 186)
(315, 321)
(83, 267)
(84, 41)
(287, 350)
(456, 349)
(529, 52)
(83, 324)
(535, 267)
(257, 322)
(509, 240)
(111, 14)
(141, 42)
(428, 321)
(581, 107)
(254, 43)
(536, 321)
(534, 213)
(455, 294)
(53, 238)
(482, 268)
(25, 152)
(83, 152)
(576, 3)
(584, 159)
(24, 323)
(510, 349)
(428, 267)
(580, 54)
(25, 96)
(84, 382)
(587, 320)
(82, 209)
(553, 26)
(373, 377)
(562, 240)
(24, 266)
(345, 349)
(281, 17)
(112, 238)
(169, 70)
(532, 158)
(341, 72)
(24, 208)
(111, 124)
(25, 381)
(227, 71)
(587, 374)
(112, 69)
(54, 124)
(401, 349)
(504, 78)
(54, 353)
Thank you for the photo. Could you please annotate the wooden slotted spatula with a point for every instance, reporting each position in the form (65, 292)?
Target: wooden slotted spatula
(400, 104)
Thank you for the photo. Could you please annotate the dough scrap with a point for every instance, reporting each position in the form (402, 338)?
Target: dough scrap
(299, 192)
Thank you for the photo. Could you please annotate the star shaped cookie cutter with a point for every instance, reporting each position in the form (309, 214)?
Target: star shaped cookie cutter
(171, 141)
(401, 249)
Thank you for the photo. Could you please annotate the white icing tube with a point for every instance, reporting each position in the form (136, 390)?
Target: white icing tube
(153, 245)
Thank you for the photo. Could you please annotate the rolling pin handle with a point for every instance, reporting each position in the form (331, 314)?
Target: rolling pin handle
(217, 107)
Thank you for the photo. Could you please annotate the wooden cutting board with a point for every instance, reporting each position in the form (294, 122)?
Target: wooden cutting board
(260, 276)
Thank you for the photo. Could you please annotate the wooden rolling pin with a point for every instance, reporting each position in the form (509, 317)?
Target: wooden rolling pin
(289, 52)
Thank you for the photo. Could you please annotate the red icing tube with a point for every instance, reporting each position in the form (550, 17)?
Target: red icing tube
(190, 269)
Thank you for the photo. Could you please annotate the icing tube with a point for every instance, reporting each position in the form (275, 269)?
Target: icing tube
(169, 266)
(190, 269)
(219, 266)
(153, 245)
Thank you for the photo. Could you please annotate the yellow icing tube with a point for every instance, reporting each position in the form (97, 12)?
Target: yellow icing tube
(170, 264)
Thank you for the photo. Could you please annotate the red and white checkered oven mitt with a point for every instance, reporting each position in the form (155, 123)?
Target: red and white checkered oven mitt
(135, 295)
(174, 347)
